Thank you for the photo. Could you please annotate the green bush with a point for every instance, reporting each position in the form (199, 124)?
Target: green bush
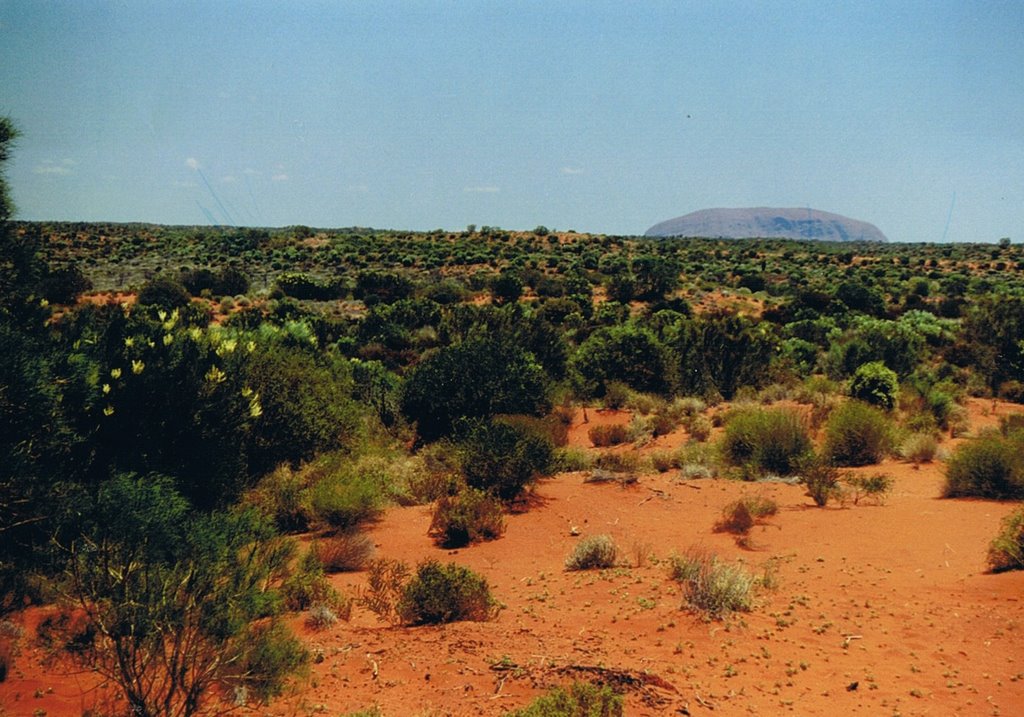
(308, 586)
(877, 487)
(768, 441)
(875, 383)
(712, 587)
(741, 515)
(503, 457)
(593, 553)
(345, 552)
(990, 466)
(1007, 550)
(469, 516)
(608, 435)
(857, 434)
(919, 448)
(343, 500)
(279, 496)
(821, 477)
(445, 593)
(580, 700)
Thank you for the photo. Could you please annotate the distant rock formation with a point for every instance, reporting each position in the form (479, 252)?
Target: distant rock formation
(767, 222)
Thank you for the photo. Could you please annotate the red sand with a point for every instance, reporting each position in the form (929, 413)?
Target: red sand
(879, 610)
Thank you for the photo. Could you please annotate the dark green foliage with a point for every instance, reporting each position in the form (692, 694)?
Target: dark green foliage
(445, 593)
(821, 477)
(64, 284)
(467, 517)
(876, 384)
(477, 378)
(654, 276)
(303, 286)
(164, 292)
(1007, 549)
(182, 594)
(382, 287)
(857, 434)
(718, 353)
(506, 288)
(991, 466)
(993, 330)
(624, 353)
(579, 700)
(767, 440)
(503, 457)
(228, 281)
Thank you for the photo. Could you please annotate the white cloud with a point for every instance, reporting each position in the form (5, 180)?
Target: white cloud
(192, 163)
(184, 185)
(357, 188)
(50, 168)
(228, 179)
(572, 170)
(281, 177)
(482, 190)
(251, 172)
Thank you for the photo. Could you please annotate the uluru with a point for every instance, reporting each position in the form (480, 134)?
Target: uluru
(768, 223)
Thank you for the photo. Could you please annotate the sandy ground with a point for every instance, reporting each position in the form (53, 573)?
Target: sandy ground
(878, 610)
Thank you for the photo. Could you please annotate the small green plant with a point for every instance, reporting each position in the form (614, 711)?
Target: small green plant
(625, 462)
(581, 699)
(919, 448)
(876, 384)
(616, 395)
(699, 428)
(990, 466)
(711, 587)
(445, 593)
(468, 516)
(343, 501)
(593, 553)
(567, 460)
(821, 477)
(876, 487)
(768, 441)
(308, 586)
(741, 515)
(348, 551)
(857, 434)
(608, 435)
(321, 617)
(1007, 550)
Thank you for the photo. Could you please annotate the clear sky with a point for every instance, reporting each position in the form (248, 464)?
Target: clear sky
(596, 116)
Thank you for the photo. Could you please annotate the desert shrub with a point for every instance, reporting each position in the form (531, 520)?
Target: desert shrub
(919, 448)
(990, 466)
(644, 403)
(445, 593)
(343, 501)
(571, 459)
(1007, 549)
(279, 496)
(857, 434)
(876, 487)
(1011, 424)
(468, 516)
(504, 457)
(626, 462)
(10, 638)
(269, 654)
(712, 587)
(741, 515)
(699, 428)
(876, 384)
(640, 429)
(686, 407)
(616, 395)
(663, 461)
(345, 552)
(385, 581)
(579, 700)
(321, 617)
(608, 435)
(769, 441)
(309, 586)
(593, 553)
(821, 477)
(1012, 391)
(165, 292)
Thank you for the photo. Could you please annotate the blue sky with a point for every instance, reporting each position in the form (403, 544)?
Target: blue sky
(596, 116)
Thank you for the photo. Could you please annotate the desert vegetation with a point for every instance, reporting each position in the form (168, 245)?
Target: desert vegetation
(212, 435)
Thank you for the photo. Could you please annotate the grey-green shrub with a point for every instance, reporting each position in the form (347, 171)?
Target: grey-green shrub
(990, 466)
(766, 440)
(445, 593)
(1007, 550)
(857, 434)
(579, 700)
(593, 553)
(712, 587)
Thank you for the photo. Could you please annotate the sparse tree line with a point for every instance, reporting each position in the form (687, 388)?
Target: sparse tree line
(155, 459)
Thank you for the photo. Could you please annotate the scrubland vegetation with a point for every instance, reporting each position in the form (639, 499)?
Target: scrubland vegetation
(160, 452)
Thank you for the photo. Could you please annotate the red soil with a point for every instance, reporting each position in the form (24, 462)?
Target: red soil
(879, 610)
